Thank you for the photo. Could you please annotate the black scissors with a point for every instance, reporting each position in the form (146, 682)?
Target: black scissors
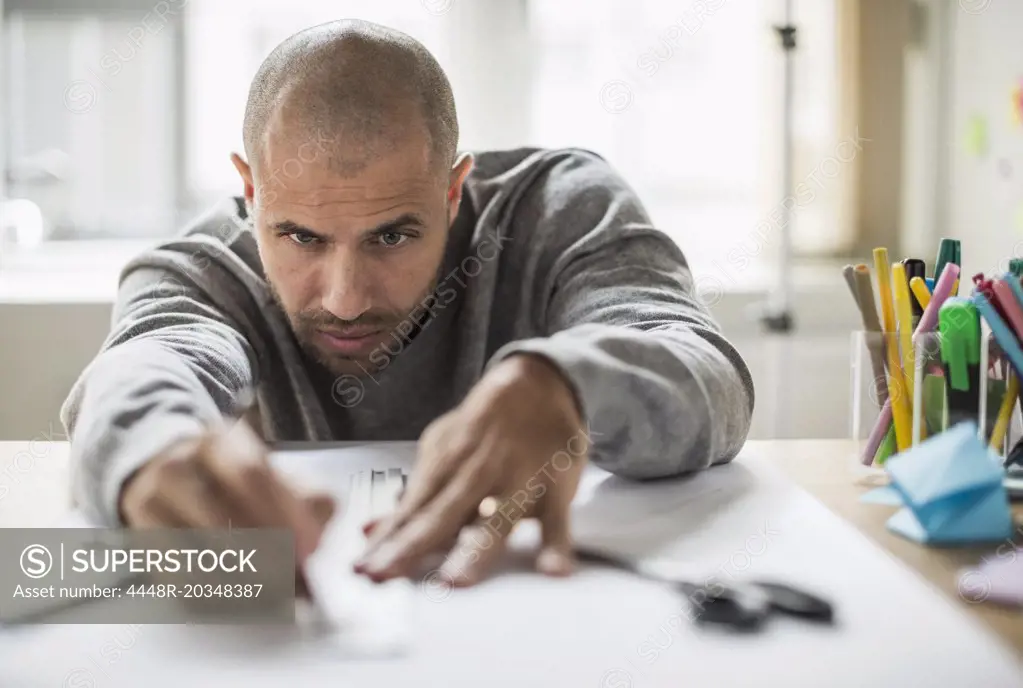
(737, 606)
(746, 606)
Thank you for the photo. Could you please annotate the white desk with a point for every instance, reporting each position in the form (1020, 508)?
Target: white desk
(601, 628)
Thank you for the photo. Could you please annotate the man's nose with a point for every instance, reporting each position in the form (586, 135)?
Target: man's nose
(347, 290)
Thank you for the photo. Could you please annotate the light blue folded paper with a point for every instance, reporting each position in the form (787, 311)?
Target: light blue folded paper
(951, 486)
(885, 495)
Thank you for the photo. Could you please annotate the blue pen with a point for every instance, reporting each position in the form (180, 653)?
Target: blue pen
(1003, 335)
(929, 281)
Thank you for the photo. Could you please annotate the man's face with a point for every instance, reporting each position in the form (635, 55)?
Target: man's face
(350, 257)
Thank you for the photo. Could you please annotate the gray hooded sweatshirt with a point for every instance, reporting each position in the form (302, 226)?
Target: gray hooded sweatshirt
(551, 253)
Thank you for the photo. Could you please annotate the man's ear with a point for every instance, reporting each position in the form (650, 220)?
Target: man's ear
(246, 174)
(459, 172)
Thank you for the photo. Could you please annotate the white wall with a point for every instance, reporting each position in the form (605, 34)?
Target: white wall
(985, 208)
(3, 123)
(43, 348)
(926, 118)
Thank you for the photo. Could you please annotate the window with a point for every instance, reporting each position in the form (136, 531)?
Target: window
(89, 121)
(684, 98)
(668, 98)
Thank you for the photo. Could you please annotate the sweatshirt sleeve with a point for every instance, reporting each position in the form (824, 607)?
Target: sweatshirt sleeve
(663, 392)
(172, 365)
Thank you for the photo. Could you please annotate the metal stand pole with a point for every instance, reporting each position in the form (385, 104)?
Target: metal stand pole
(778, 315)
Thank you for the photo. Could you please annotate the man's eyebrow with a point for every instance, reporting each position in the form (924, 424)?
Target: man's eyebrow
(289, 227)
(403, 220)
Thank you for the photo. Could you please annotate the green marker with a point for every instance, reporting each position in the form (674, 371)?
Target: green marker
(1016, 267)
(887, 447)
(959, 325)
(949, 251)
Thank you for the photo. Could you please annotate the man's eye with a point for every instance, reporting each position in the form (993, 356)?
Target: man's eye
(392, 239)
(302, 238)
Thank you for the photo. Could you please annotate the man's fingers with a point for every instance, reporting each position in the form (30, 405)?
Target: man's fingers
(369, 526)
(436, 524)
(196, 501)
(438, 458)
(176, 492)
(556, 556)
(155, 513)
(484, 542)
(478, 549)
(237, 462)
(429, 562)
(238, 458)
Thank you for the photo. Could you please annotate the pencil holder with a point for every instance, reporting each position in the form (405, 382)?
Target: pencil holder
(999, 396)
(990, 397)
(929, 410)
(868, 395)
(881, 407)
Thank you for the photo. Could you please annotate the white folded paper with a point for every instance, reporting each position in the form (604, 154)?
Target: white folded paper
(359, 617)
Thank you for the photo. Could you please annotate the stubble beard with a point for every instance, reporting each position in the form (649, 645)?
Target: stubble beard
(304, 326)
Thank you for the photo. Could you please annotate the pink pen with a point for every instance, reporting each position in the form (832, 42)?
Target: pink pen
(1007, 300)
(942, 290)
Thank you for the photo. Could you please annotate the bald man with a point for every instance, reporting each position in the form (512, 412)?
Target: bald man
(515, 312)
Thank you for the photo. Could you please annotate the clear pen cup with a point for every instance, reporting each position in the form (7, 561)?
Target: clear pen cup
(869, 392)
(925, 394)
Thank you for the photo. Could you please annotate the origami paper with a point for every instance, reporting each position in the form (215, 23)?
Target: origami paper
(951, 488)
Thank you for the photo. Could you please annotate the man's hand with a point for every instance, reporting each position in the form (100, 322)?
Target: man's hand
(517, 437)
(222, 480)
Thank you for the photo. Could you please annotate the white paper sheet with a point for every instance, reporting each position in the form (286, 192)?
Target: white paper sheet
(360, 618)
(602, 627)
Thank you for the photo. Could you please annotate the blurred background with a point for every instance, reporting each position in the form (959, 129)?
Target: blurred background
(118, 118)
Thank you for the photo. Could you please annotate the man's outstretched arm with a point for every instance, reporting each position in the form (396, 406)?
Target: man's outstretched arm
(172, 367)
(630, 371)
(661, 389)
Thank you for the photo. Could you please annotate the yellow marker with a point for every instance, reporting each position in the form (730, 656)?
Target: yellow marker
(920, 291)
(904, 318)
(1005, 412)
(902, 410)
(955, 288)
(902, 414)
(884, 289)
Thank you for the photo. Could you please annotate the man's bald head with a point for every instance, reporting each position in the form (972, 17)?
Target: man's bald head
(351, 184)
(362, 87)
